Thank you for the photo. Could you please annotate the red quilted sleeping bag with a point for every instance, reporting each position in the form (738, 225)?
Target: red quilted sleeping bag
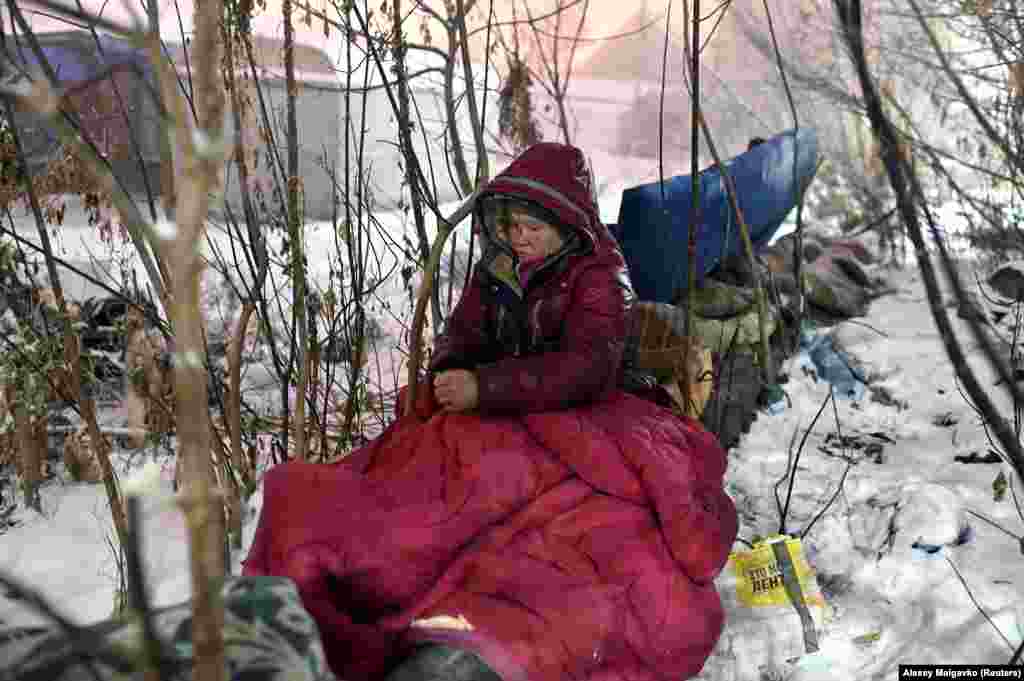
(579, 543)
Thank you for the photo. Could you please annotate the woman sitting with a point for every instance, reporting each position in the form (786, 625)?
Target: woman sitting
(531, 520)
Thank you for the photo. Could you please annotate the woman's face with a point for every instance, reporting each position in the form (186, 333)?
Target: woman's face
(530, 237)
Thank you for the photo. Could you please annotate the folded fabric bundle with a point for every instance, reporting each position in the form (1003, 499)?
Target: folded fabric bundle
(835, 280)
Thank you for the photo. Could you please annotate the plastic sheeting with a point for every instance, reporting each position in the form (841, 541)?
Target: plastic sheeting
(832, 365)
(654, 233)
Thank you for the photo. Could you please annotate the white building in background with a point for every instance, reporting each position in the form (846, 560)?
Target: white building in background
(372, 123)
(318, 118)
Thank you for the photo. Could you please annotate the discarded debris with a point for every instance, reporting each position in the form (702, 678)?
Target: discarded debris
(835, 366)
(883, 396)
(867, 639)
(6, 521)
(865, 445)
(975, 457)
(999, 486)
(1008, 280)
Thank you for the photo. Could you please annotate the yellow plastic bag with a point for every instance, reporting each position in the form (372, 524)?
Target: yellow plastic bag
(774, 607)
(760, 579)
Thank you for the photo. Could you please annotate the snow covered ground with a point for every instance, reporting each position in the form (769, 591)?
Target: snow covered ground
(888, 602)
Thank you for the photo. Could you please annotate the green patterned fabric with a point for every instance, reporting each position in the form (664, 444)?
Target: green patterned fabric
(268, 636)
(719, 300)
(718, 334)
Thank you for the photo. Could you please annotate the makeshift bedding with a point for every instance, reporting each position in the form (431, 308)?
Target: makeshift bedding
(577, 544)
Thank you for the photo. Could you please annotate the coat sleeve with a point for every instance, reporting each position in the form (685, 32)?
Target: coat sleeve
(464, 342)
(585, 365)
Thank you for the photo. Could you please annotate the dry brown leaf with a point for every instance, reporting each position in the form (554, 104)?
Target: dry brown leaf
(1015, 79)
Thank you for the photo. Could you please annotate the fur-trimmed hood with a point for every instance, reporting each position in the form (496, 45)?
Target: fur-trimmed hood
(558, 178)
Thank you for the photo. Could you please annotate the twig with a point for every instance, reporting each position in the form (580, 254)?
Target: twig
(798, 242)
(721, 10)
(995, 525)
(789, 462)
(842, 481)
(72, 14)
(661, 107)
(866, 325)
(984, 293)
(796, 461)
(871, 225)
(1016, 501)
(831, 501)
(139, 596)
(149, 313)
(976, 604)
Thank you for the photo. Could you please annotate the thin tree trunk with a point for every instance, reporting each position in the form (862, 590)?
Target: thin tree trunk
(458, 154)
(484, 168)
(906, 188)
(798, 242)
(295, 235)
(204, 510)
(234, 405)
(695, 177)
(564, 88)
(166, 151)
(28, 457)
(412, 174)
(354, 245)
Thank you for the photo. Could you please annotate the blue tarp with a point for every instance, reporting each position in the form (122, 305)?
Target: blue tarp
(653, 234)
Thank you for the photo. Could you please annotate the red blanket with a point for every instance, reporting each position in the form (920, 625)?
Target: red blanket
(576, 544)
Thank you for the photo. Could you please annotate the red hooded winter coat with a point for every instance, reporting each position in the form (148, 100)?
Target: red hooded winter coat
(569, 324)
(573, 530)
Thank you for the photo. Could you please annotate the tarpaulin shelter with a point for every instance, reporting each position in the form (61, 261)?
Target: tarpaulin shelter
(104, 81)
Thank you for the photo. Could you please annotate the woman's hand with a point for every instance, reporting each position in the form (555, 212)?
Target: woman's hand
(456, 390)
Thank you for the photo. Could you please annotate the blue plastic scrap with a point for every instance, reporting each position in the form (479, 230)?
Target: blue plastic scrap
(924, 550)
(834, 366)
